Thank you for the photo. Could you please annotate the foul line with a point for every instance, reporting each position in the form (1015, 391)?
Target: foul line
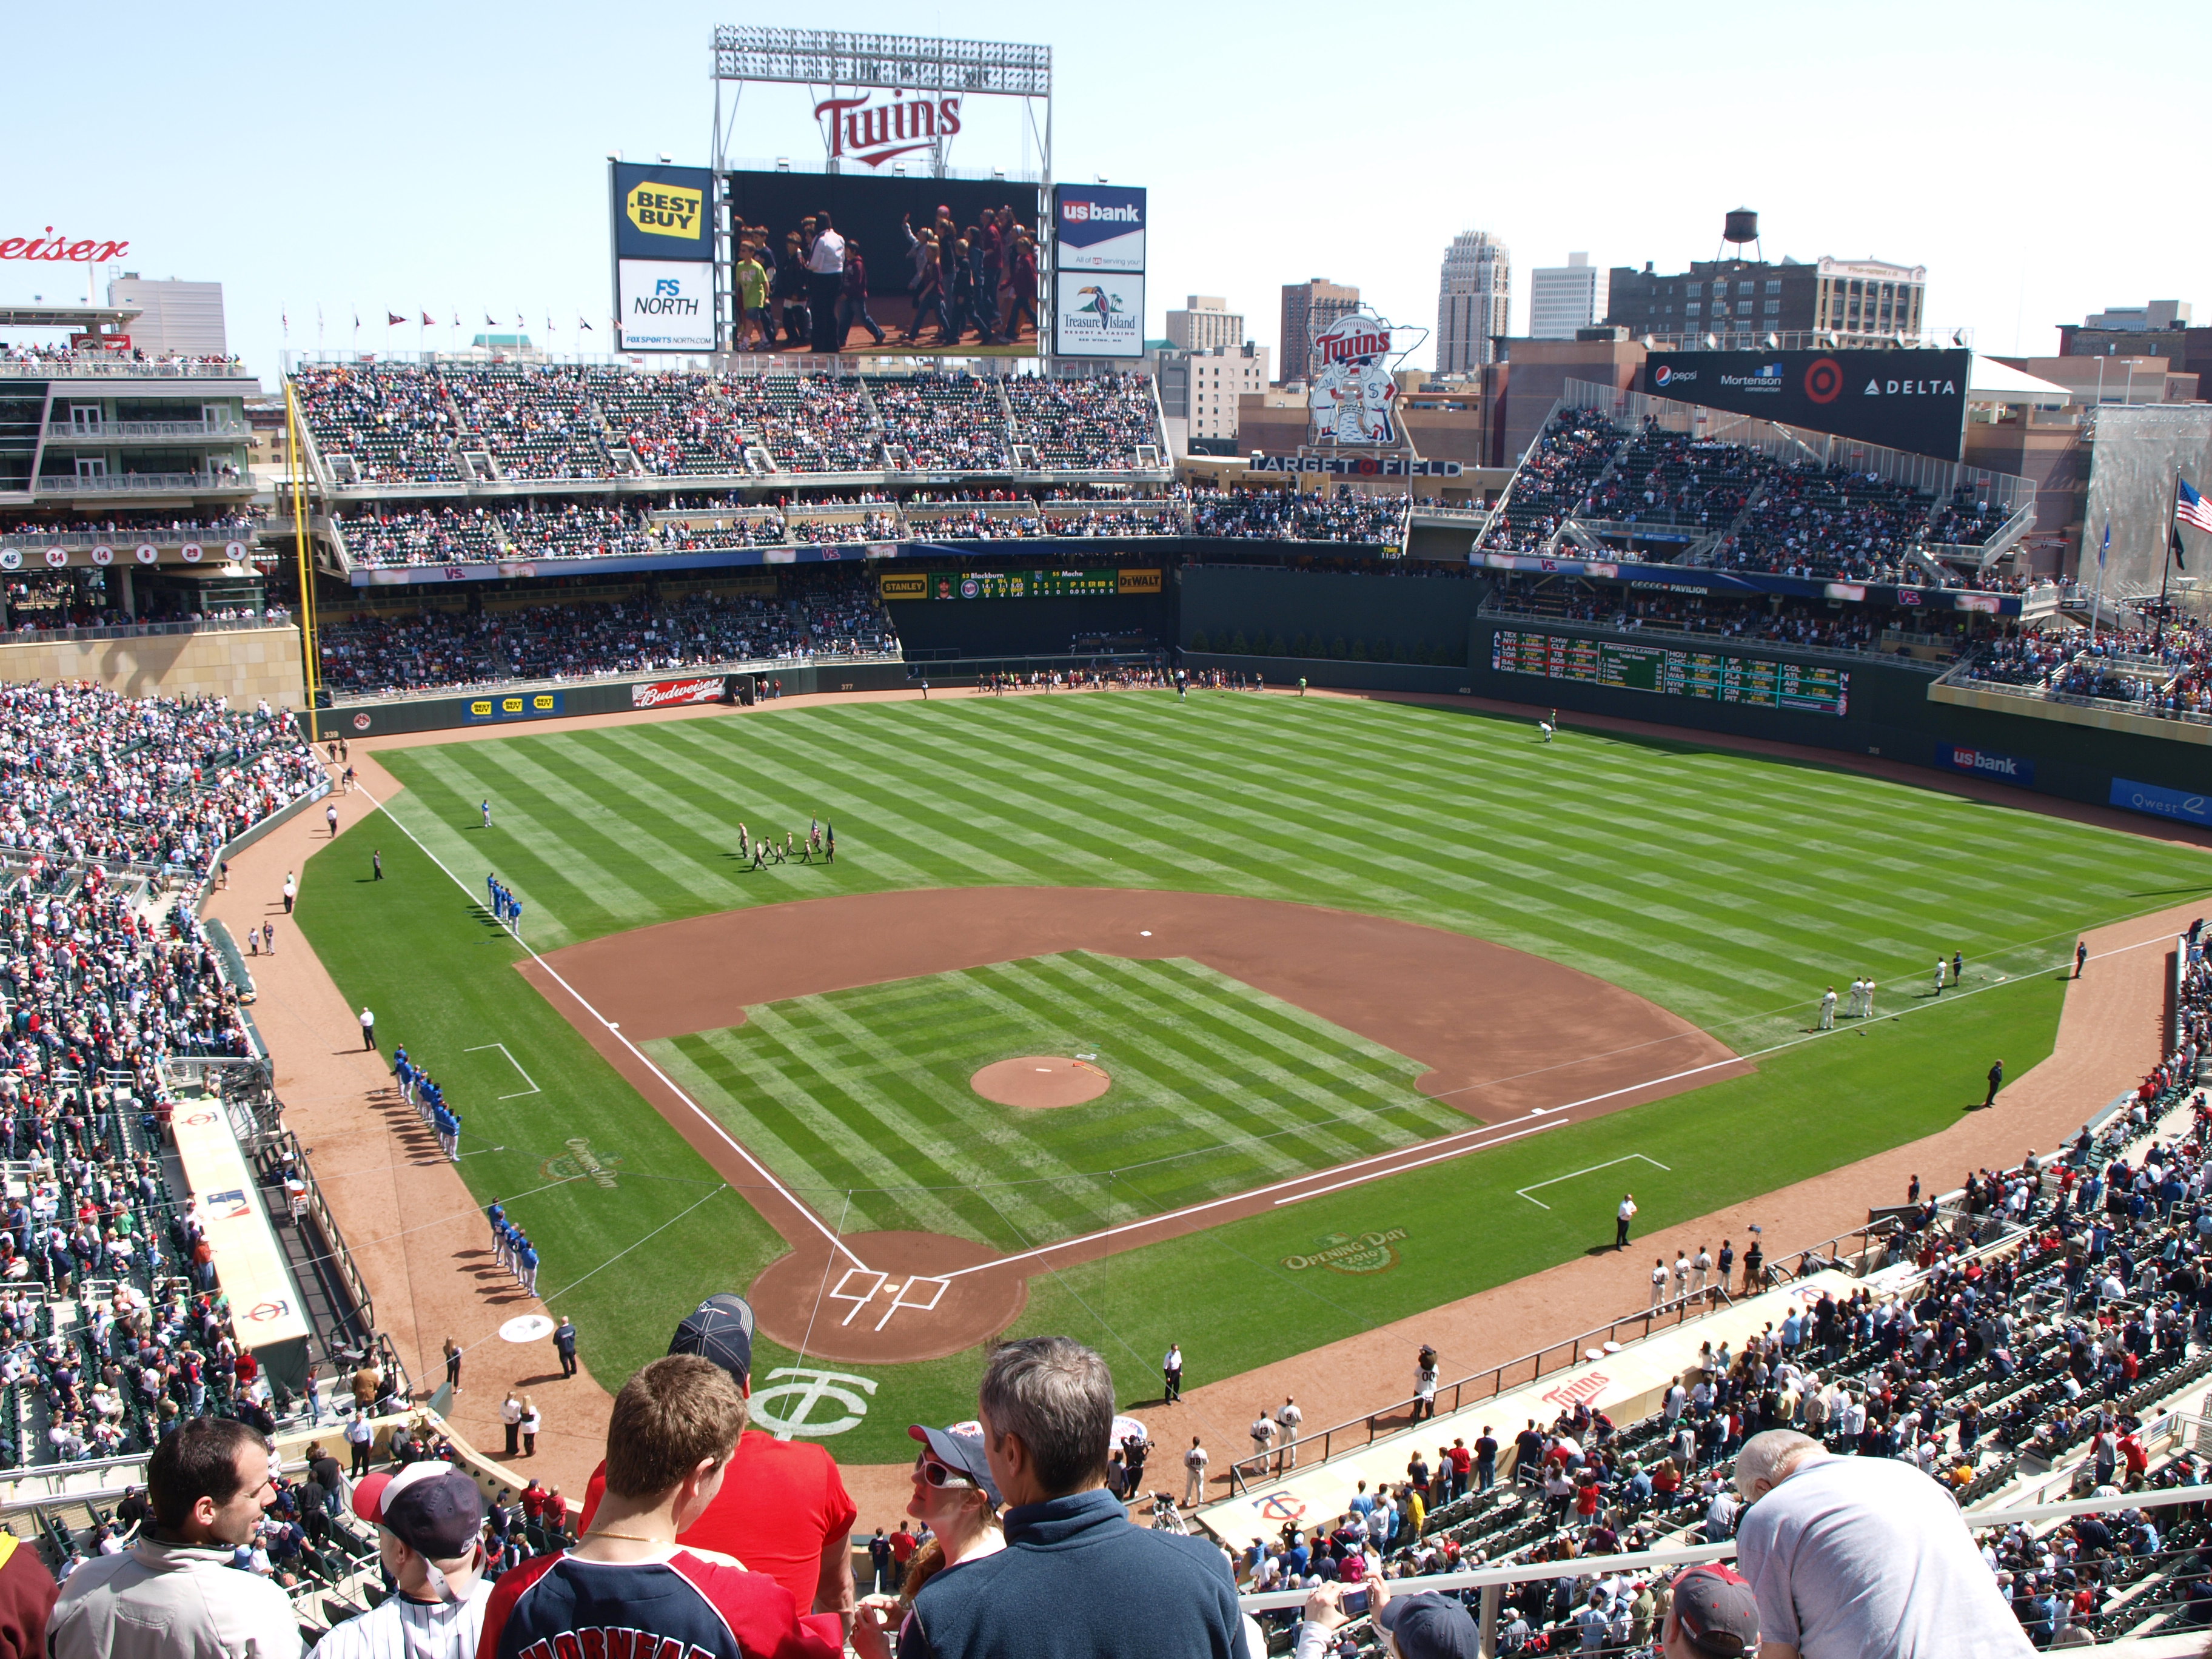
(1469, 1140)
(532, 1090)
(639, 1055)
(1523, 1192)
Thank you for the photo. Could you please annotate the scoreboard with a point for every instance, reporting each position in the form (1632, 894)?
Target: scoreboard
(1713, 676)
(1018, 584)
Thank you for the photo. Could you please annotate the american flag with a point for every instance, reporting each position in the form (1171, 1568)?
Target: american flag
(2191, 508)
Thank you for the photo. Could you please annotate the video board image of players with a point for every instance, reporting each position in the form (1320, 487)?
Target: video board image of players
(832, 263)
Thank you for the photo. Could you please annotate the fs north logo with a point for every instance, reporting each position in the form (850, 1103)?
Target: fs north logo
(1353, 400)
(871, 134)
(665, 210)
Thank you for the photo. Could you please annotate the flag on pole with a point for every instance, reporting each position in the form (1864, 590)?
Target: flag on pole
(2174, 532)
(391, 318)
(2191, 508)
(426, 323)
(582, 324)
(488, 321)
(2105, 546)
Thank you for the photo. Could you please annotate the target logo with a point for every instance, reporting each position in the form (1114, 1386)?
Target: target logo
(1824, 379)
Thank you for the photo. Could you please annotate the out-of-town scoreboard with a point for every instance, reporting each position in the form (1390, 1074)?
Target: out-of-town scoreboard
(1714, 676)
(1017, 584)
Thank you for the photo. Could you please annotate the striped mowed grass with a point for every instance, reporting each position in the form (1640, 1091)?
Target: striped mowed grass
(859, 1100)
(1728, 888)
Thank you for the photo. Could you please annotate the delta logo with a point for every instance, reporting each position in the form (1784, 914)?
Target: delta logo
(665, 210)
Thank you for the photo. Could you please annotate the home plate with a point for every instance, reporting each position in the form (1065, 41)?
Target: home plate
(526, 1327)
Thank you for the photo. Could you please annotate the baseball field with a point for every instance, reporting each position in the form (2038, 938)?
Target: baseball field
(1339, 979)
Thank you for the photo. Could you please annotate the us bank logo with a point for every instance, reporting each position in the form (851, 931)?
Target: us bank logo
(1340, 1253)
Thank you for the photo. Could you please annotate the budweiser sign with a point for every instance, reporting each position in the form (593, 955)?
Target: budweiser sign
(664, 694)
(872, 133)
(89, 251)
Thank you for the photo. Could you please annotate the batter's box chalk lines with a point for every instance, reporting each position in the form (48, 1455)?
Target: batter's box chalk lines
(1632, 1157)
(532, 1090)
(911, 1288)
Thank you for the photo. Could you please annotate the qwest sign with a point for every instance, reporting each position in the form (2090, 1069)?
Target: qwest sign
(90, 250)
(872, 133)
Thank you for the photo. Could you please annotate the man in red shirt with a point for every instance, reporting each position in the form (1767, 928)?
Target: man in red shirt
(783, 1508)
(630, 1587)
(904, 1544)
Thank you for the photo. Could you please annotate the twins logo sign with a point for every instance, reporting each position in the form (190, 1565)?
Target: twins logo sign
(1353, 398)
(805, 1390)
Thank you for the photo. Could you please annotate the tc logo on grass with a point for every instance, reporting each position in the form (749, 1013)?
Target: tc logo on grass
(1340, 1253)
(581, 1161)
(806, 1390)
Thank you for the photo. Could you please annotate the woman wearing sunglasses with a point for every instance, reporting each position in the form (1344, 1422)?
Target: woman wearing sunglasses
(955, 1497)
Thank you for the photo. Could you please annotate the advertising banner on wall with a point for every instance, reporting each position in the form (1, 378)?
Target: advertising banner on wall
(1100, 227)
(1909, 400)
(662, 212)
(665, 304)
(1099, 315)
(884, 218)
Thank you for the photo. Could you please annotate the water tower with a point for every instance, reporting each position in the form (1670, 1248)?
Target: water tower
(1742, 227)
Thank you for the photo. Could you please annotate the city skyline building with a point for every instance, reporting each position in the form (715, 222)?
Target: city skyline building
(1474, 301)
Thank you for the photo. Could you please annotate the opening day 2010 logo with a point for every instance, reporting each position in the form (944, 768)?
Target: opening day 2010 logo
(1370, 1253)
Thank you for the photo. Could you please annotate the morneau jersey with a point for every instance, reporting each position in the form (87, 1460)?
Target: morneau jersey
(677, 1607)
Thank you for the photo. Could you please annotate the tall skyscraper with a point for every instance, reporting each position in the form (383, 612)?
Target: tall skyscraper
(1307, 306)
(1564, 297)
(1207, 322)
(1473, 298)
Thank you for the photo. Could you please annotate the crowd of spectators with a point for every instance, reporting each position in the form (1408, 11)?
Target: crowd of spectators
(1665, 477)
(123, 530)
(403, 423)
(394, 420)
(870, 527)
(2165, 672)
(2047, 1306)
(942, 423)
(832, 611)
(1828, 522)
(1095, 424)
(536, 421)
(1552, 479)
(380, 538)
(1303, 515)
(89, 776)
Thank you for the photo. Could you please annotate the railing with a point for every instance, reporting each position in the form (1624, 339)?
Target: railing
(1959, 677)
(136, 630)
(134, 535)
(108, 432)
(118, 484)
(123, 368)
(689, 670)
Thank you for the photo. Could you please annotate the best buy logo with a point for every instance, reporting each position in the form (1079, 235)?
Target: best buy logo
(665, 210)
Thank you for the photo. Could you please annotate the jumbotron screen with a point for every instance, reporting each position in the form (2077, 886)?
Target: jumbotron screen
(1711, 676)
(938, 285)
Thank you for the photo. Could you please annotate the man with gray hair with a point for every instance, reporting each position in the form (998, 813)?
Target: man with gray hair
(1076, 1580)
(1862, 1558)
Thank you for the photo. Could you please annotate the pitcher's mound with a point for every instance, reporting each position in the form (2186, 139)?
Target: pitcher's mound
(1041, 1080)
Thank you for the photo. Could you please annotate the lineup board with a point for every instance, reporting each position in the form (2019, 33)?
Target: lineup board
(1716, 677)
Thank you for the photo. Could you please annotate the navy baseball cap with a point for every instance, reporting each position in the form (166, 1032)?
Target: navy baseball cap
(432, 1507)
(1717, 1610)
(1430, 1626)
(721, 1329)
(960, 1448)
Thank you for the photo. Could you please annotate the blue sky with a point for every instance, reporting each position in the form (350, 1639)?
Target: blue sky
(413, 156)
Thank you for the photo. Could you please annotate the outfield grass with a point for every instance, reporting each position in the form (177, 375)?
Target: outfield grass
(860, 1099)
(1727, 888)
